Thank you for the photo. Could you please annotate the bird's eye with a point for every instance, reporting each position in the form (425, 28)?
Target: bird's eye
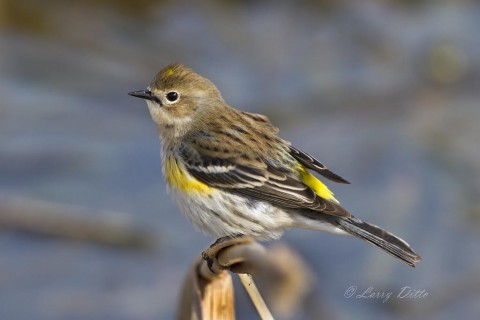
(172, 96)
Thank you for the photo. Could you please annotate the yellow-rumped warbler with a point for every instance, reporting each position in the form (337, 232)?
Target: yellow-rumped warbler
(231, 175)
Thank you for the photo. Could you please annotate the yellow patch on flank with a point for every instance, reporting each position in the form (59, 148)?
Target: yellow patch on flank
(316, 185)
(179, 178)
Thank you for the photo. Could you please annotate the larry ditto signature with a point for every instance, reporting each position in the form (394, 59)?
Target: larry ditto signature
(369, 293)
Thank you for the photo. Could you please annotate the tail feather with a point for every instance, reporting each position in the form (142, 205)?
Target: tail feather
(380, 238)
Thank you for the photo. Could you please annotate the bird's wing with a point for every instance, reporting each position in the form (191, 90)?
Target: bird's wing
(256, 178)
(311, 163)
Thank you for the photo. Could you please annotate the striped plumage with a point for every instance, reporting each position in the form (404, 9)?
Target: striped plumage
(231, 174)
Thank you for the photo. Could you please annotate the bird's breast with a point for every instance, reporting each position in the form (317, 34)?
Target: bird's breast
(178, 177)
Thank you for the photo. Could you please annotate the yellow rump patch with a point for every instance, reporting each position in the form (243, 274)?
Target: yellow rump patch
(316, 185)
(178, 178)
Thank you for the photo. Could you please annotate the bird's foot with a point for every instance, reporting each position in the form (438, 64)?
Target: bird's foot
(210, 255)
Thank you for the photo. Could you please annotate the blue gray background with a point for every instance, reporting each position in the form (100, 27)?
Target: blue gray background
(386, 93)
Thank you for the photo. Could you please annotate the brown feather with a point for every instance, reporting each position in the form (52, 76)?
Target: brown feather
(230, 159)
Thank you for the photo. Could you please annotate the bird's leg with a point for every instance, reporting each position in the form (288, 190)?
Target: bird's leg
(210, 254)
(221, 240)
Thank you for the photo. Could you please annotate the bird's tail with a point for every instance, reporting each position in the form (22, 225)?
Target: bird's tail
(380, 238)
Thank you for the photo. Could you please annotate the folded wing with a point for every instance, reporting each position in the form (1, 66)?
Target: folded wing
(254, 178)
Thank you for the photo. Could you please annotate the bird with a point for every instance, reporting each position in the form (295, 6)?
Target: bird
(232, 175)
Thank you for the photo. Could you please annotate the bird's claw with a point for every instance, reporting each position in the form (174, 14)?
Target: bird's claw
(210, 255)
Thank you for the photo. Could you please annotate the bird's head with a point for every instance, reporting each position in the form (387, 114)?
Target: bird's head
(177, 98)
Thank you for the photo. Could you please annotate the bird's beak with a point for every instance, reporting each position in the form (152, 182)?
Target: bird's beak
(144, 94)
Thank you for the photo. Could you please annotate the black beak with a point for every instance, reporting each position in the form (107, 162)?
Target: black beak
(144, 94)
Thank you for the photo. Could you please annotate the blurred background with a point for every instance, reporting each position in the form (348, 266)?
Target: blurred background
(386, 93)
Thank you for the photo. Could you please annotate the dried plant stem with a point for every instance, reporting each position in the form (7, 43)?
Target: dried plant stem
(72, 222)
(254, 294)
